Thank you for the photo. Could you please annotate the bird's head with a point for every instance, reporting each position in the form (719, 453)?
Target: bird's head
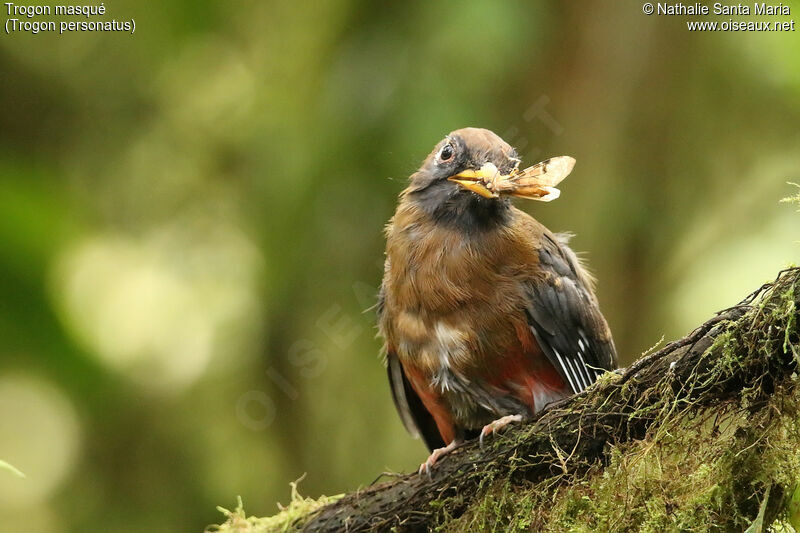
(473, 171)
(464, 162)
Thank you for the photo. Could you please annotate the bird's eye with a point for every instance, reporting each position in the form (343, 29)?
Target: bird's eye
(446, 154)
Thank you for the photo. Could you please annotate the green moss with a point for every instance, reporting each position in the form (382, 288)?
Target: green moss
(11, 468)
(704, 465)
(709, 473)
(713, 468)
(793, 199)
(237, 520)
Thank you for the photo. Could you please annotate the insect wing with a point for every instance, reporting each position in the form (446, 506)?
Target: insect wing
(548, 173)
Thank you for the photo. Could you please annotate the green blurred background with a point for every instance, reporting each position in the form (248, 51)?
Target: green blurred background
(191, 224)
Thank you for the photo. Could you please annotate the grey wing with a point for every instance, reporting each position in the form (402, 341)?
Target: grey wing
(565, 318)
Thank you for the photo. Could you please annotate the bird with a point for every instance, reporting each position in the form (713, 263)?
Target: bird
(486, 315)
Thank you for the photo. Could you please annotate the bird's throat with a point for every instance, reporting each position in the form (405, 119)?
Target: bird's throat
(462, 210)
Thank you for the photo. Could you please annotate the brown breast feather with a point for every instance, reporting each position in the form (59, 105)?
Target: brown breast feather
(447, 292)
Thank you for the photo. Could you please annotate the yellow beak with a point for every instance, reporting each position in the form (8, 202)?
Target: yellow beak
(476, 180)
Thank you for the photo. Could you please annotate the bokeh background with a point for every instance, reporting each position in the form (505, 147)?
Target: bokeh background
(191, 224)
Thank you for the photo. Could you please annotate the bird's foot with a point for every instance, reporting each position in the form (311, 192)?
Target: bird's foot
(498, 424)
(425, 468)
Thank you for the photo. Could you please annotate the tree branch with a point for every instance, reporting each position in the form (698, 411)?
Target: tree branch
(749, 349)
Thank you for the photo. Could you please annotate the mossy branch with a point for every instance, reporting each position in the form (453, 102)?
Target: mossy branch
(663, 443)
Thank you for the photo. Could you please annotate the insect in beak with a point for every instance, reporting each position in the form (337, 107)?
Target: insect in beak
(537, 182)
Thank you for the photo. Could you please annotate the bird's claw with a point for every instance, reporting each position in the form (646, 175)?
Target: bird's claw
(425, 468)
(498, 424)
